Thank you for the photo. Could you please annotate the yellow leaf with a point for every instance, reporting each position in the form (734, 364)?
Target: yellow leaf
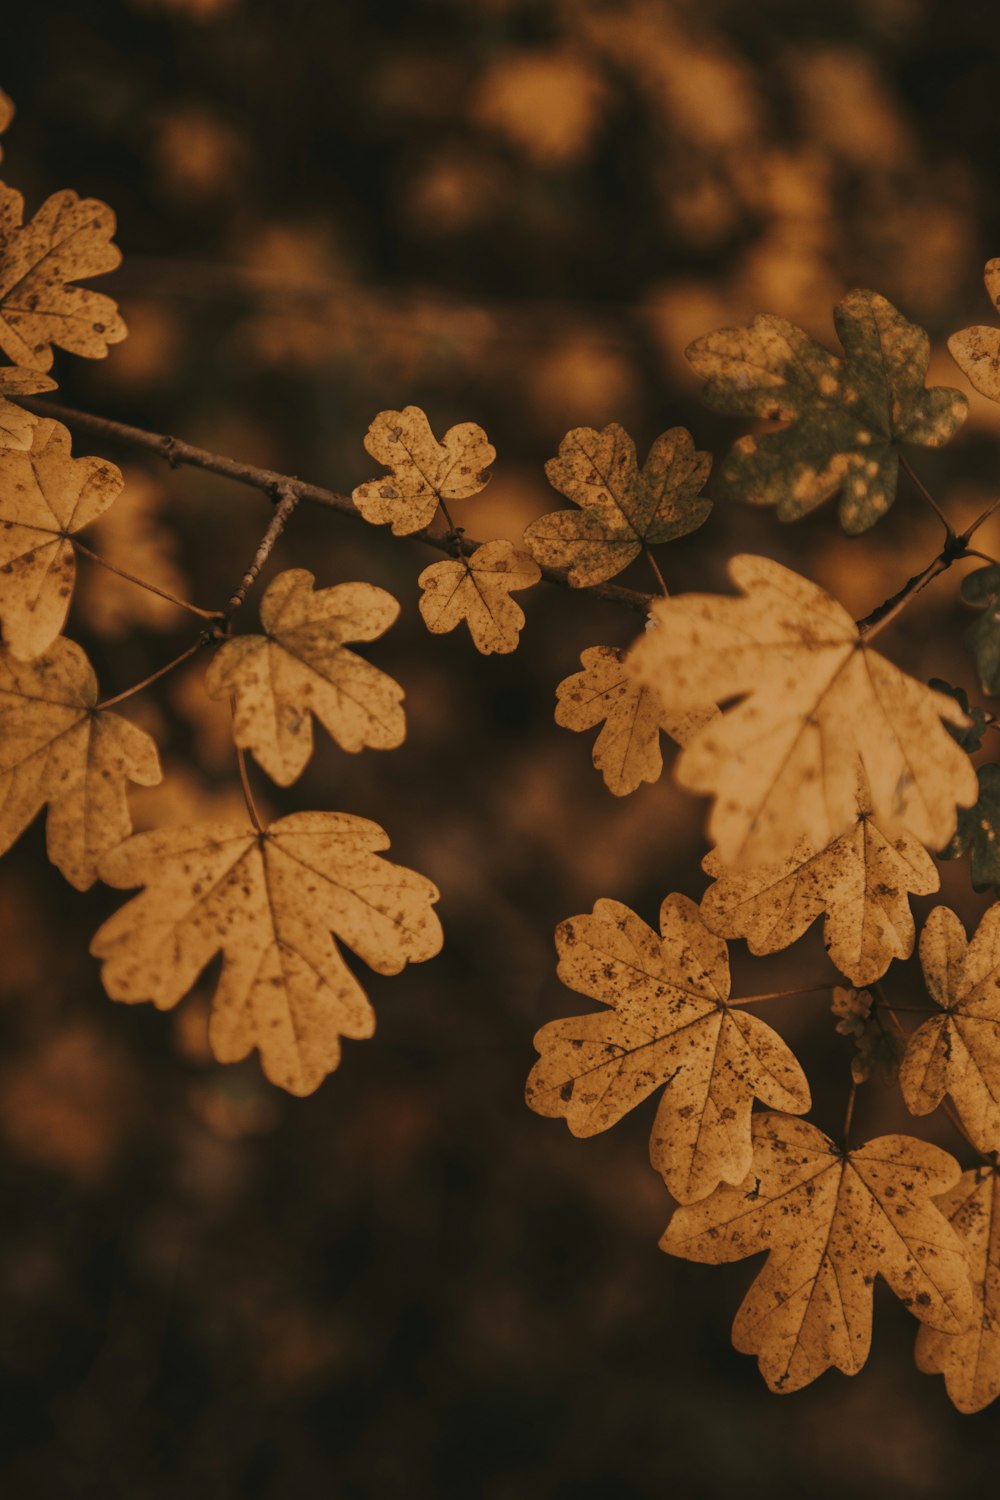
(68, 239)
(622, 509)
(820, 711)
(958, 1052)
(970, 1362)
(477, 589)
(832, 1222)
(269, 903)
(669, 1025)
(976, 351)
(16, 424)
(301, 667)
(860, 881)
(55, 749)
(424, 471)
(45, 494)
(627, 750)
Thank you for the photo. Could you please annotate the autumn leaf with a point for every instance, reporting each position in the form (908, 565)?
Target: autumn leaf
(16, 424)
(477, 589)
(424, 471)
(56, 748)
(969, 736)
(981, 589)
(878, 1051)
(68, 240)
(832, 1221)
(979, 830)
(976, 351)
(958, 1052)
(269, 903)
(622, 509)
(861, 881)
(6, 115)
(970, 1361)
(45, 494)
(627, 750)
(847, 417)
(819, 709)
(669, 1025)
(301, 667)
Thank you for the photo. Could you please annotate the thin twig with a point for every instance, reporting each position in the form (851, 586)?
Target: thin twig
(146, 682)
(152, 588)
(849, 1115)
(915, 480)
(287, 503)
(175, 451)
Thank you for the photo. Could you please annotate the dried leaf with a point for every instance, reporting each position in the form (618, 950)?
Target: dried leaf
(979, 829)
(477, 589)
(301, 667)
(847, 417)
(16, 424)
(69, 239)
(976, 351)
(55, 749)
(958, 1052)
(970, 1361)
(860, 881)
(622, 509)
(44, 494)
(832, 1222)
(970, 737)
(879, 1052)
(627, 750)
(981, 589)
(819, 709)
(269, 903)
(669, 1025)
(424, 471)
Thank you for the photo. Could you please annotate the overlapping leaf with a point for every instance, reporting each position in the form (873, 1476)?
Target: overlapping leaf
(477, 589)
(979, 830)
(958, 1052)
(423, 471)
(68, 240)
(45, 494)
(268, 902)
(970, 1361)
(16, 423)
(976, 351)
(622, 508)
(847, 416)
(981, 589)
(627, 750)
(820, 711)
(878, 1047)
(668, 1025)
(860, 881)
(302, 667)
(55, 749)
(832, 1221)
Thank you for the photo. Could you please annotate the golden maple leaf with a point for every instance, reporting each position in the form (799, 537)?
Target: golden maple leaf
(976, 350)
(68, 239)
(477, 589)
(833, 1221)
(970, 1361)
(860, 881)
(45, 494)
(16, 423)
(669, 1025)
(424, 471)
(269, 903)
(820, 710)
(56, 748)
(622, 509)
(627, 750)
(301, 667)
(958, 1052)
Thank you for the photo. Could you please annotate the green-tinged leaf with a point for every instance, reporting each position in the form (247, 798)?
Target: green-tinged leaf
(970, 738)
(847, 417)
(622, 508)
(981, 589)
(979, 830)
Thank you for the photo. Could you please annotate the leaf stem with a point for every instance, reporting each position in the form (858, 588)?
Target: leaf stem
(849, 1115)
(658, 575)
(922, 489)
(805, 989)
(152, 588)
(137, 687)
(241, 761)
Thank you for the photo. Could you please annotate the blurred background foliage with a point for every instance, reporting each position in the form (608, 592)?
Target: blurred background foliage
(516, 212)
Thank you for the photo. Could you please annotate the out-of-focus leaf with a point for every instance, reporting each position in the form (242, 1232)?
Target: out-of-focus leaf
(981, 589)
(969, 737)
(17, 424)
(979, 830)
(976, 350)
(878, 1050)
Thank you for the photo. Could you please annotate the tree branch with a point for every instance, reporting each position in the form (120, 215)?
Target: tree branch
(176, 451)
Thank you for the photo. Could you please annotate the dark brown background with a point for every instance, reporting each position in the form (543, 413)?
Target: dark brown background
(515, 213)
